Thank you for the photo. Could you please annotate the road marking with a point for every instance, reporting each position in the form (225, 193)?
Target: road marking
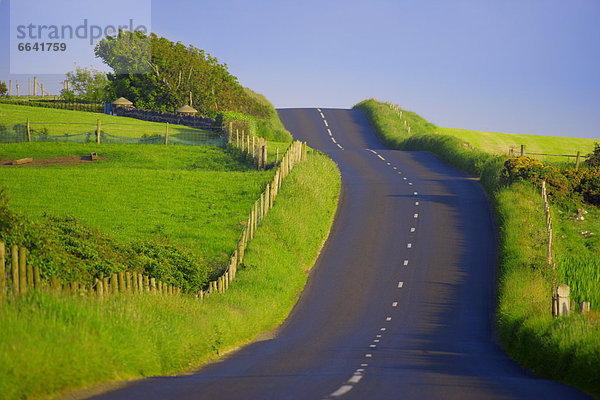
(373, 346)
(341, 391)
(376, 340)
(395, 167)
(404, 178)
(395, 304)
(410, 183)
(333, 140)
(380, 157)
(409, 245)
(382, 329)
(329, 131)
(412, 229)
(355, 378)
(318, 109)
(368, 355)
(325, 122)
(388, 319)
(389, 164)
(364, 365)
(338, 145)
(416, 203)
(399, 173)
(416, 215)
(360, 370)
(378, 336)
(322, 116)
(400, 284)
(405, 262)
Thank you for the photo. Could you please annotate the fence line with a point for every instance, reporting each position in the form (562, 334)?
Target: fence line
(21, 277)
(248, 144)
(25, 133)
(578, 156)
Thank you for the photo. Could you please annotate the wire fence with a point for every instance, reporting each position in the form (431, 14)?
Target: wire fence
(88, 133)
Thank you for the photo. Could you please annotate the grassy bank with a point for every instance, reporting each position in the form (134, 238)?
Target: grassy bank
(566, 349)
(53, 121)
(50, 343)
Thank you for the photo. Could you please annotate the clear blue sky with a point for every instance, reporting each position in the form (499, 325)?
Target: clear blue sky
(516, 66)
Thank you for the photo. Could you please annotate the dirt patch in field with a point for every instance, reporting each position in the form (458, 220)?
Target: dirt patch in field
(46, 162)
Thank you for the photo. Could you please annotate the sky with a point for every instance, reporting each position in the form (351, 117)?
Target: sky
(514, 66)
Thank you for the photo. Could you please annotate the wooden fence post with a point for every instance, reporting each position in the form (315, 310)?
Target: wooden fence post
(105, 285)
(122, 285)
(99, 288)
(167, 133)
(114, 284)
(14, 255)
(577, 161)
(28, 131)
(29, 269)
(153, 285)
(37, 281)
(128, 282)
(98, 131)
(22, 270)
(146, 283)
(2, 273)
(522, 150)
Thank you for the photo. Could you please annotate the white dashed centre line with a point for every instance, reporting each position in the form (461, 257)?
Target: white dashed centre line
(416, 215)
(416, 203)
(395, 167)
(395, 304)
(368, 355)
(400, 284)
(416, 193)
(341, 391)
(329, 131)
(333, 139)
(355, 378)
(412, 229)
(380, 157)
(326, 124)
(388, 319)
(409, 245)
(405, 262)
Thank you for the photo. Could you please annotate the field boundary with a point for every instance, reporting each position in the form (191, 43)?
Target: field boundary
(23, 276)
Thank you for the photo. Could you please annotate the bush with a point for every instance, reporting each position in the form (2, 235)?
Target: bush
(593, 159)
(73, 252)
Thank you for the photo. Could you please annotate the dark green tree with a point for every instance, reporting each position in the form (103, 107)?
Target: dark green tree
(158, 74)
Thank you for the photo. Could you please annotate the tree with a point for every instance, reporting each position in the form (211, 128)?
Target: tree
(86, 83)
(158, 74)
(3, 88)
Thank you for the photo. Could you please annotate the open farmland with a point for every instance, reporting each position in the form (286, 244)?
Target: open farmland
(499, 143)
(195, 196)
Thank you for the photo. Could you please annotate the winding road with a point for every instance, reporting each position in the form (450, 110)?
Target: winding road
(400, 302)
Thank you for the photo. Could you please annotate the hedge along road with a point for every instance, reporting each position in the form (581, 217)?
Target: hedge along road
(400, 302)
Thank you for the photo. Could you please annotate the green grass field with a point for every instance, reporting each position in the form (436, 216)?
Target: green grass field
(63, 122)
(51, 344)
(499, 143)
(193, 195)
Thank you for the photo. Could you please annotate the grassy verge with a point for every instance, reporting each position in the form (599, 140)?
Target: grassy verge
(566, 349)
(50, 343)
(62, 122)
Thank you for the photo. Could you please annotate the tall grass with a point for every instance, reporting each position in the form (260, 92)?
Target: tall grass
(566, 349)
(51, 343)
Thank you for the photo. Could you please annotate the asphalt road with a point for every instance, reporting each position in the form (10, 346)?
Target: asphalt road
(400, 302)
